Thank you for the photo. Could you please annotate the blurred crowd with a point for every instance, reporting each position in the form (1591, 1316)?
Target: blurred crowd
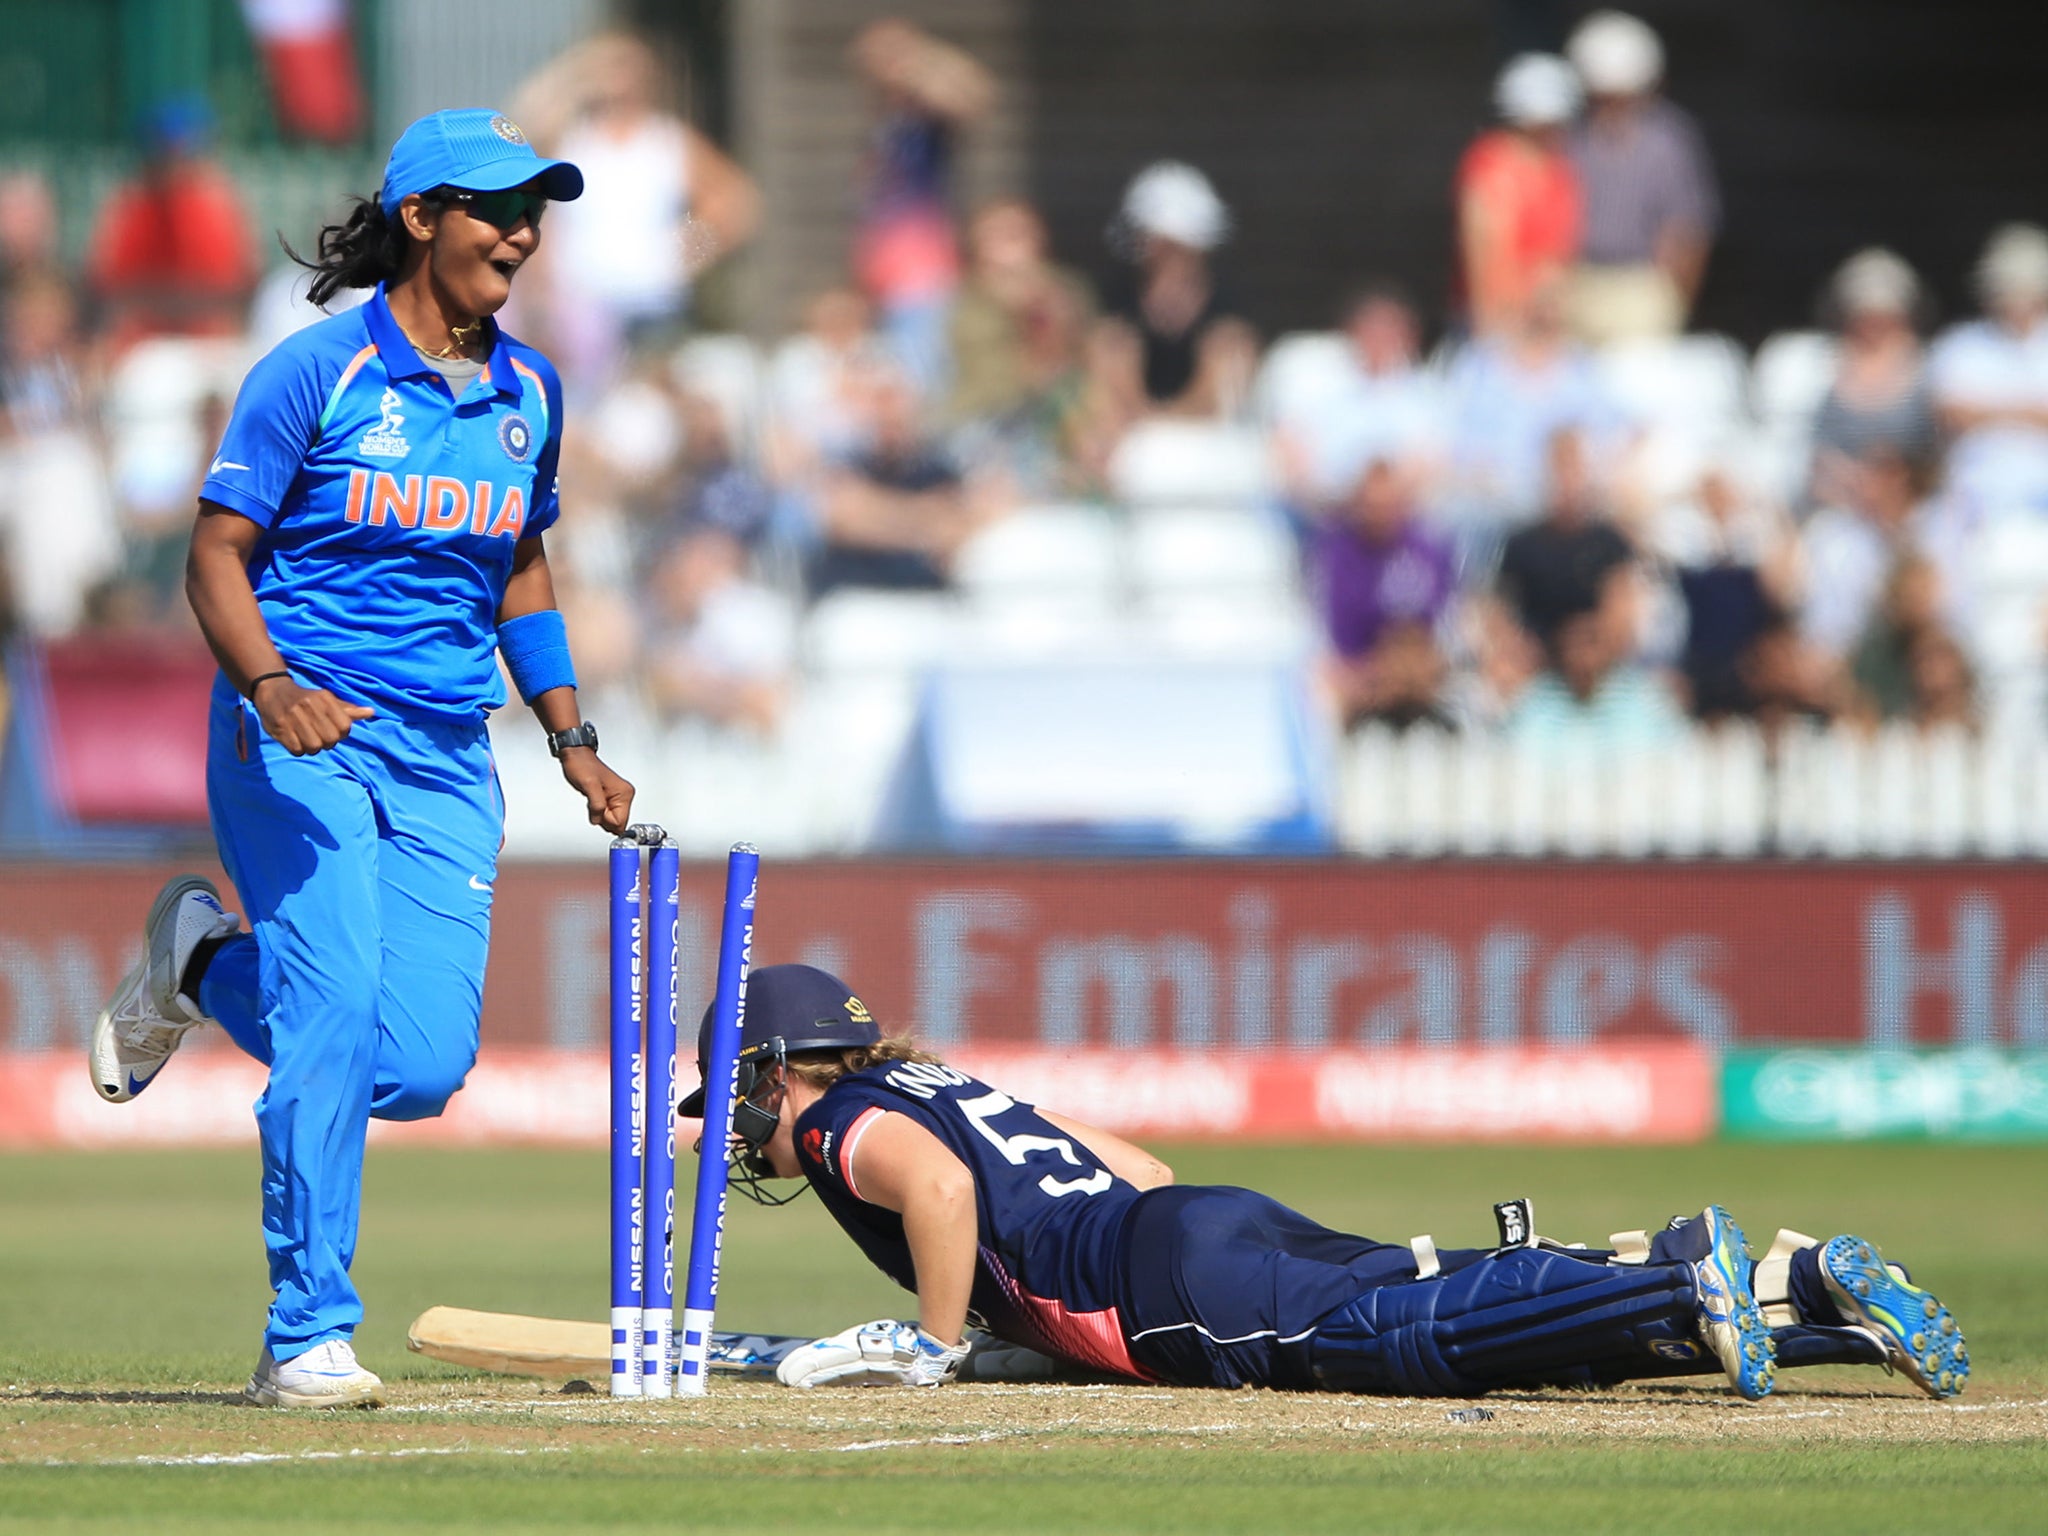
(1546, 508)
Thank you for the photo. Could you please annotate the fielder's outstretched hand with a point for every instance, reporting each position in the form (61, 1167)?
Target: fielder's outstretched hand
(884, 1353)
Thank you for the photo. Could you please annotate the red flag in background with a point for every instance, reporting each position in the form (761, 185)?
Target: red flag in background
(310, 60)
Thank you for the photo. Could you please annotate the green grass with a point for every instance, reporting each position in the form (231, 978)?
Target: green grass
(140, 1277)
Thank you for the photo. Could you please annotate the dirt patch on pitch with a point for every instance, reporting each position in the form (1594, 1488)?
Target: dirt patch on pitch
(498, 1418)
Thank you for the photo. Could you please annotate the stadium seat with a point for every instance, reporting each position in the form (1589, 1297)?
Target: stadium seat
(1299, 369)
(1212, 550)
(1062, 551)
(727, 370)
(1276, 628)
(1694, 383)
(1791, 376)
(856, 630)
(1190, 463)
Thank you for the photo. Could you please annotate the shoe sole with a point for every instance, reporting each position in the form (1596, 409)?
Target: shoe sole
(272, 1397)
(1741, 1341)
(154, 950)
(1919, 1334)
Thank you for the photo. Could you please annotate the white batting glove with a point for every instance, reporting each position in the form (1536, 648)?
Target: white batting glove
(884, 1353)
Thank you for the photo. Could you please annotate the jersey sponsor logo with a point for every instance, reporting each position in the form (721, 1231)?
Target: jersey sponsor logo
(385, 440)
(515, 436)
(506, 129)
(438, 504)
(924, 1079)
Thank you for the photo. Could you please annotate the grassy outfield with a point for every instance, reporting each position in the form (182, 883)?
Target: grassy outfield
(131, 1296)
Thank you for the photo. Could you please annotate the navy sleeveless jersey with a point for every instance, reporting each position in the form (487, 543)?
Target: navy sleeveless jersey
(1052, 1217)
(1196, 1285)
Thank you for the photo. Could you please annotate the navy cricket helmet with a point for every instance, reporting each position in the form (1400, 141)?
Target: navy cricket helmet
(789, 1008)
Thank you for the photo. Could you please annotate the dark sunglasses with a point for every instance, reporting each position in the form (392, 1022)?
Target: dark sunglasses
(500, 210)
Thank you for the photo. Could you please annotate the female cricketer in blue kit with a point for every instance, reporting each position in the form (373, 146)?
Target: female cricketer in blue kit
(369, 542)
(1063, 1239)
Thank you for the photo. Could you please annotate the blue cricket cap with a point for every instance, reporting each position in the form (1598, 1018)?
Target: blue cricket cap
(474, 148)
(810, 1009)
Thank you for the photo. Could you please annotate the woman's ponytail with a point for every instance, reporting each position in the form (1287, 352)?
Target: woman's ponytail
(363, 250)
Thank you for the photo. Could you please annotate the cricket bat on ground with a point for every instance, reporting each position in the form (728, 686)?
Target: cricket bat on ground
(558, 1348)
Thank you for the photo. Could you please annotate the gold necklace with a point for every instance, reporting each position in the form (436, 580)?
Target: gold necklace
(459, 338)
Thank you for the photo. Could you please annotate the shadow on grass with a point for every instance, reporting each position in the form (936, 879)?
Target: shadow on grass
(195, 1395)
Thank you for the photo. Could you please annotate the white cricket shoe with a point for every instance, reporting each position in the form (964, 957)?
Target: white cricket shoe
(146, 1019)
(325, 1376)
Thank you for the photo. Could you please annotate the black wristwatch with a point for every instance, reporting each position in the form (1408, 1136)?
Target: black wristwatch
(584, 735)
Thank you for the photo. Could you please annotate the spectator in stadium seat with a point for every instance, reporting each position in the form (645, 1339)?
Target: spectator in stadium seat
(894, 514)
(1509, 397)
(1880, 396)
(1788, 680)
(171, 252)
(1593, 693)
(28, 226)
(1519, 206)
(1383, 583)
(1905, 661)
(905, 254)
(1107, 401)
(815, 407)
(1197, 352)
(1018, 318)
(721, 646)
(1383, 402)
(1847, 550)
(1017, 331)
(721, 489)
(1651, 205)
(1944, 684)
(1732, 558)
(661, 205)
(1991, 379)
(1570, 561)
(58, 532)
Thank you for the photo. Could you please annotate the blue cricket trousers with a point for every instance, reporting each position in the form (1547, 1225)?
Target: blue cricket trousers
(365, 873)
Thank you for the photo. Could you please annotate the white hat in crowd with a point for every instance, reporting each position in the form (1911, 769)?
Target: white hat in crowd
(1615, 54)
(1174, 201)
(2014, 268)
(1537, 90)
(1875, 281)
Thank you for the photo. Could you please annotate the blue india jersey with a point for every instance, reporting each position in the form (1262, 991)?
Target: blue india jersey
(390, 509)
(1052, 1218)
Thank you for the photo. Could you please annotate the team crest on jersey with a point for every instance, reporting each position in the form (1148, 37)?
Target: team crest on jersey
(515, 436)
(385, 440)
(507, 130)
(815, 1142)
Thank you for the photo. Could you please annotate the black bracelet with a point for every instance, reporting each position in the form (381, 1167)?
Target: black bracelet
(258, 682)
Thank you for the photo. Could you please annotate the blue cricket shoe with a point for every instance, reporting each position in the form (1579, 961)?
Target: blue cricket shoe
(1730, 1321)
(1919, 1334)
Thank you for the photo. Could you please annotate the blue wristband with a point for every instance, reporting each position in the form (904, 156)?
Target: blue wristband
(536, 651)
